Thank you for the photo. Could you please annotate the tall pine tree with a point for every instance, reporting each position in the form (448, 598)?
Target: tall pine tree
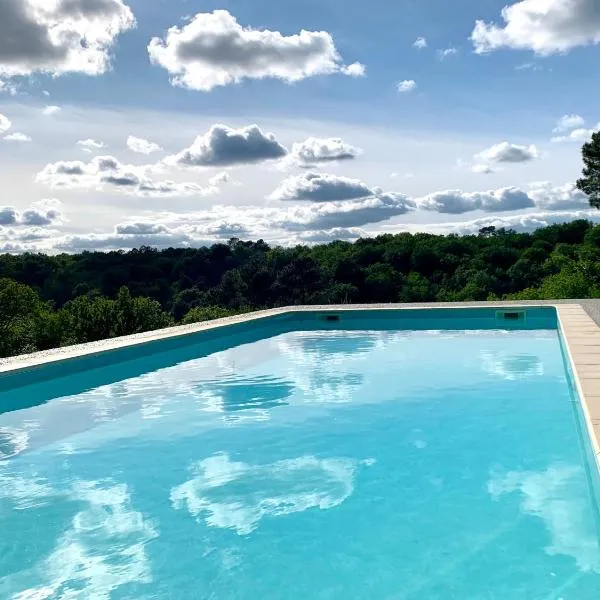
(590, 182)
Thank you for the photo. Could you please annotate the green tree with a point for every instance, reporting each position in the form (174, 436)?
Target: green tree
(19, 306)
(589, 183)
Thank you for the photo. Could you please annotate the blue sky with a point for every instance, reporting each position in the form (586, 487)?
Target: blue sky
(475, 137)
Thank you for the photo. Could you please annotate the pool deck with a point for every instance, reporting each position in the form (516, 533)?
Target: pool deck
(579, 323)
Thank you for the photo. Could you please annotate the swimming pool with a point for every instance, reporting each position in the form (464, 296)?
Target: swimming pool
(432, 454)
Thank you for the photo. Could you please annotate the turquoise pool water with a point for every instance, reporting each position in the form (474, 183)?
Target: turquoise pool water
(343, 460)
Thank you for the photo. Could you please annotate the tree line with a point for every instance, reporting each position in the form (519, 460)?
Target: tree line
(49, 301)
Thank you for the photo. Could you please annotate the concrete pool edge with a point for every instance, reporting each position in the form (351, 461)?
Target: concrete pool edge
(580, 333)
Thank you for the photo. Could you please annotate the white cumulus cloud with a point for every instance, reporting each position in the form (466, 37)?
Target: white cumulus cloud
(314, 152)
(141, 145)
(60, 36)
(321, 187)
(458, 202)
(408, 85)
(90, 145)
(543, 26)
(223, 146)
(213, 50)
(5, 123)
(567, 122)
(17, 136)
(577, 135)
(420, 43)
(504, 152)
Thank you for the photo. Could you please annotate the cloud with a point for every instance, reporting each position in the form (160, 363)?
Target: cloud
(50, 110)
(219, 178)
(40, 214)
(313, 152)
(408, 85)
(5, 123)
(17, 137)
(213, 50)
(577, 135)
(483, 169)
(332, 235)
(522, 223)
(567, 122)
(142, 146)
(563, 197)
(345, 214)
(420, 43)
(508, 153)
(58, 37)
(356, 69)
(90, 145)
(457, 202)
(446, 52)
(107, 171)
(317, 187)
(545, 27)
(223, 146)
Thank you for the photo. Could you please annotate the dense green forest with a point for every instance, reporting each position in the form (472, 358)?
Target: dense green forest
(47, 301)
(50, 301)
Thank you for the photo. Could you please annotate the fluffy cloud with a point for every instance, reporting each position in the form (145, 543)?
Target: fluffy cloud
(224, 146)
(50, 110)
(40, 214)
(563, 197)
(17, 136)
(142, 146)
(107, 171)
(577, 135)
(522, 223)
(420, 43)
(90, 145)
(317, 187)
(5, 123)
(508, 153)
(457, 202)
(567, 122)
(60, 36)
(213, 50)
(313, 152)
(546, 27)
(356, 69)
(408, 85)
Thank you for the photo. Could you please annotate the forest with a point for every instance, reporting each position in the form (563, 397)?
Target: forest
(49, 301)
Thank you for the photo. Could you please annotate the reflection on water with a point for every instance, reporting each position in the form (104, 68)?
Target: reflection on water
(12, 442)
(512, 367)
(102, 549)
(237, 393)
(237, 495)
(558, 496)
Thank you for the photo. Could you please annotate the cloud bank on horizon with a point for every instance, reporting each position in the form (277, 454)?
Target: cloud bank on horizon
(122, 126)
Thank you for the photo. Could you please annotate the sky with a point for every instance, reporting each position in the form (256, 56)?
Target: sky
(187, 122)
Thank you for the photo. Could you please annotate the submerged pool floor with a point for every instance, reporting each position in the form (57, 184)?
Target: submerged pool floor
(314, 464)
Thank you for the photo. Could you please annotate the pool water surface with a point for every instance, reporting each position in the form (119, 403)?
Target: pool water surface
(325, 464)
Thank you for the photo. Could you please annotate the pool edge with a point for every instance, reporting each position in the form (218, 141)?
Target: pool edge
(581, 337)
